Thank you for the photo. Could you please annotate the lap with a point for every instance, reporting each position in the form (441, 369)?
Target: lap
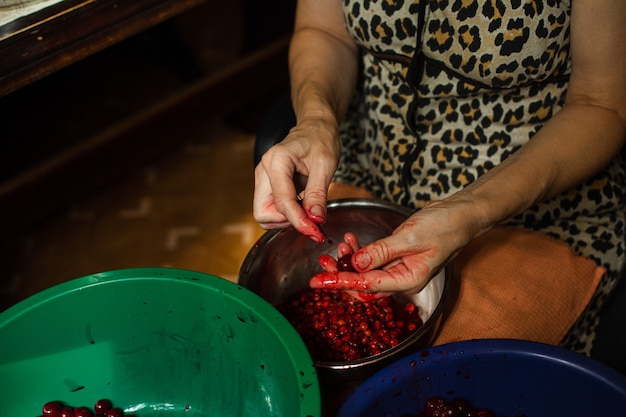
(514, 283)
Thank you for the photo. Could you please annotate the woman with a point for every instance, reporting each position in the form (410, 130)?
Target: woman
(478, 115)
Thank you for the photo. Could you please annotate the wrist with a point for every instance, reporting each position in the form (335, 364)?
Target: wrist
(472, 214)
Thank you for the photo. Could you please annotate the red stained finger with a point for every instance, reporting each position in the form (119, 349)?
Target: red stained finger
(362, 260)
(311, 230)
(344, 249)
(352, 241)
(340, 281)
(317, 213)
(327, 262)
(354, 287)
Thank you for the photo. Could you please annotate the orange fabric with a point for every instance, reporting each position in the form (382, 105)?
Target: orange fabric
(512, 283)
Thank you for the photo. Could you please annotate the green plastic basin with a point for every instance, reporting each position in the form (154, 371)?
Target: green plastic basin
(156, 342)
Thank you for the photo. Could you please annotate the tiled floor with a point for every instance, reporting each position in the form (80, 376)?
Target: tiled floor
(190, 209)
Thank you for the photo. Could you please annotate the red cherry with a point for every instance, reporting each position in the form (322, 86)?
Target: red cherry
(51, 409)
(67, 412)
(82, 412)
(344, 263)
(457, 407)
(115, 412)
(460, 404)
(336, 328)
(433, 405)
(102, 406)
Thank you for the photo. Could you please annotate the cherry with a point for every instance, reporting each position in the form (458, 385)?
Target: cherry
(433, 406)
(51, 409)
(82, 412)
(458, 407)
(102, 406)
(335, 327)
(115, 412)
(344, 264)
(460, 404)
(67, 412)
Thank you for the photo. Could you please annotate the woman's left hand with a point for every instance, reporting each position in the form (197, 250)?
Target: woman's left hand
(403, 262)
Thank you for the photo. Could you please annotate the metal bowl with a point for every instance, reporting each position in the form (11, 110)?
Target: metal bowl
(281, 263)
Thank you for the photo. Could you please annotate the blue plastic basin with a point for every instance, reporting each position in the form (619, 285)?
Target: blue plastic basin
(510, 377)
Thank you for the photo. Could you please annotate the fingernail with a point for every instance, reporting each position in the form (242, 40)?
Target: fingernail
(317, 211)
(362, 260)
(325, 260)
(318, 238)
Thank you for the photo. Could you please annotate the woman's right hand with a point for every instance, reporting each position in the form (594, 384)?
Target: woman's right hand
(323, 70)
(292, 179)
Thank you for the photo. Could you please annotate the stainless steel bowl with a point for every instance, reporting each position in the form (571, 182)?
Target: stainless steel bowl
(282, 262)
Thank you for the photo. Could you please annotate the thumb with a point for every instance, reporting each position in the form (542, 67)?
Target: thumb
(314, 200)
(377, 254)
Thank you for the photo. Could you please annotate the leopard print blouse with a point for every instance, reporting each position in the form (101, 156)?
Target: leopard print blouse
(452, 87)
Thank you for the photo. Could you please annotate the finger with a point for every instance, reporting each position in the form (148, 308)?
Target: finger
(315, 215)
(292, 208)
(263, 207)
(351, 239)
(350, 282)
(330, 265)
(315, 225)
(384, 251)
(335, 280)
(396, 279)
(327, 262)
(344, 249)
(314, 207)
(307, 227)
(315, 195)
(275, 204)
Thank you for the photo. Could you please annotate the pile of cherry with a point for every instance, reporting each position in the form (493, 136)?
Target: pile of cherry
(336, 327)
(456, 407)
(102, 408)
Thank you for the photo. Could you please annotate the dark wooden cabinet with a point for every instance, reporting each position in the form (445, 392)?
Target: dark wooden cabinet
(36, 45)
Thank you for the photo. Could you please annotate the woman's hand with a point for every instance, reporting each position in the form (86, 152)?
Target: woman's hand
(405, 261)
(292, 179)
(323, 69)
(343, 263)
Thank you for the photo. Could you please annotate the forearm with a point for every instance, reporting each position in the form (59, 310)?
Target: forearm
(573, 146)
(323, 62)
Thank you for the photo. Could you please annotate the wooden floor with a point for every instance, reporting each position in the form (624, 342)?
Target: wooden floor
(186, 206)
(190, 209)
